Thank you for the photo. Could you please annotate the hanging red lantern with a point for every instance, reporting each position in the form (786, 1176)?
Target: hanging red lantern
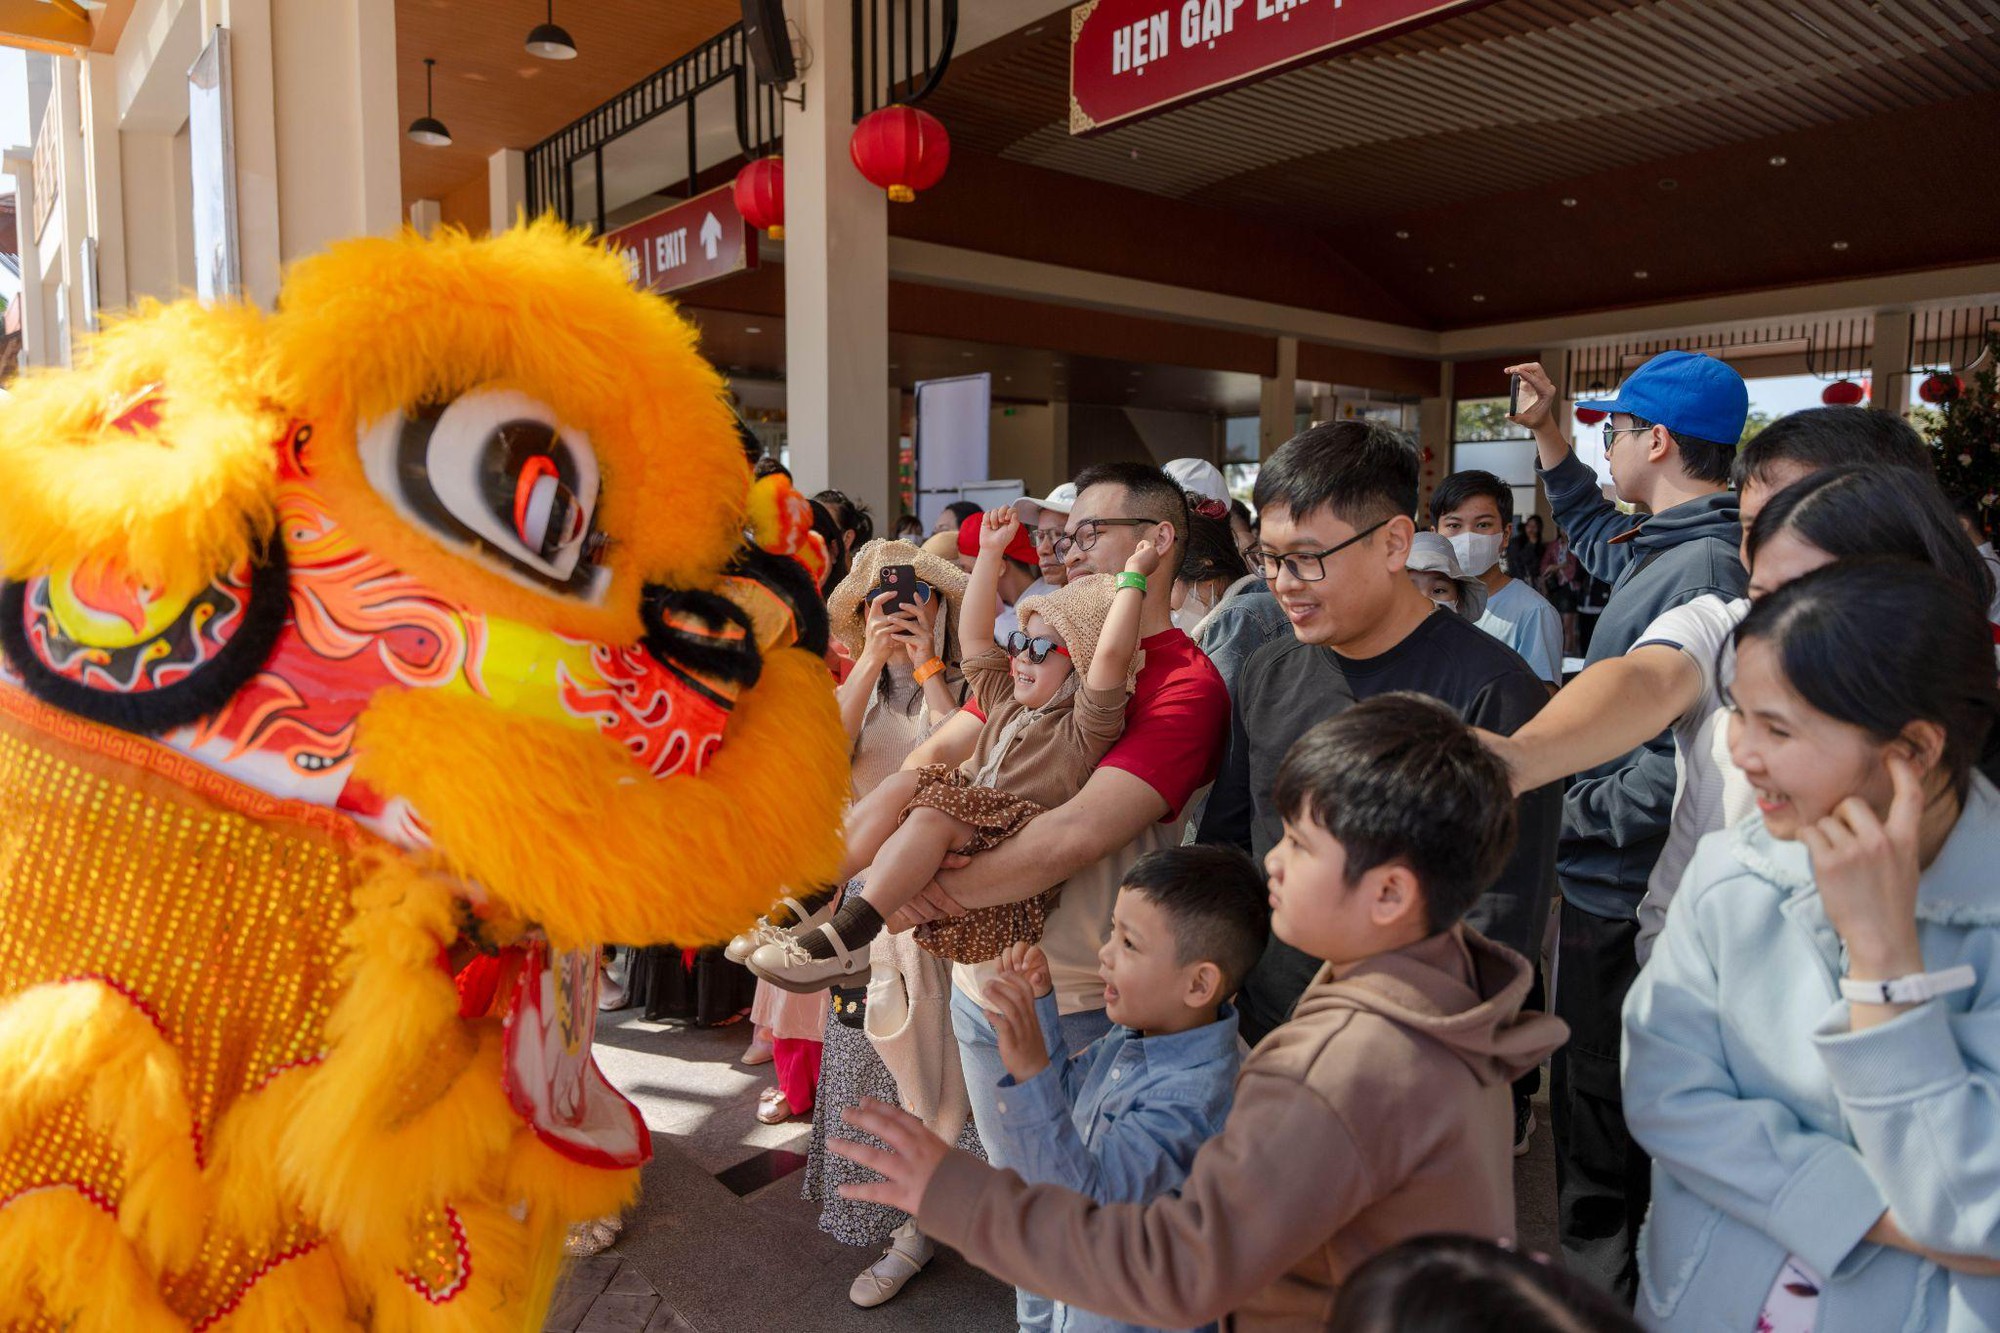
(900, 149)
(1939, 387)
(760, 195)
(1842, 393)
(1589, 416)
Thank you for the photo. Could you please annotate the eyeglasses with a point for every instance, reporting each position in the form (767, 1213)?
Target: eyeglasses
(1087, 532)
(1305, 566)
(1046, 538)
(1612, 432)
(1038, 649)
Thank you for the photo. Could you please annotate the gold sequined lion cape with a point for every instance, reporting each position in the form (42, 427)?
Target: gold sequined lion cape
(363, 668)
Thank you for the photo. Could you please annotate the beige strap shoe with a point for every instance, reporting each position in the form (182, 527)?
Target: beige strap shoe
(909, 1250)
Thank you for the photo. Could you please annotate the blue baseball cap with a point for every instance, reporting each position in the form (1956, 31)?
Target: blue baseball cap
(1688, 393)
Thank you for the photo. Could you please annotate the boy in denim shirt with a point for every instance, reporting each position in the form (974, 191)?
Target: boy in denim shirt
(1122, 1120)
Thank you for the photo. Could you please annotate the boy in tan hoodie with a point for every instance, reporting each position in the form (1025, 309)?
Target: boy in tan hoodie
(1379, 1111)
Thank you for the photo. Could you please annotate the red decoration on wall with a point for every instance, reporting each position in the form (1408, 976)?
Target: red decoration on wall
(760, 195)
(1589, 416)
(1939, 387)
(1843, 393)
(900, 149)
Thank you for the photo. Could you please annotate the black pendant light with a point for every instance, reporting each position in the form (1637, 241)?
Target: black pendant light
(549, 41)
(427, 129)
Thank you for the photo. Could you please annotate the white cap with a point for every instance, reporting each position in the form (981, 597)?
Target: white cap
(1058, 501)
(1200, 476)
(1432, 553)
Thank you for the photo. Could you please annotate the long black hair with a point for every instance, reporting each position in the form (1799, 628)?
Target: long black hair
(1869, 511)
(1880, 643)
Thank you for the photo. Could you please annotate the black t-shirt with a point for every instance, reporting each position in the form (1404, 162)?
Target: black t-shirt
(1286, 687)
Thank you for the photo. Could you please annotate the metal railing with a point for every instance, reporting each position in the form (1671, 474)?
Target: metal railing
(551, 164)
(901, 50)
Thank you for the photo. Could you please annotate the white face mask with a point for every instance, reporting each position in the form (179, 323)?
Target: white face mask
(1477, 552)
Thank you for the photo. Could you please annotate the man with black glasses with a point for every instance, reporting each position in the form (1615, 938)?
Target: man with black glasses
(1335, 503)
(1669, 437)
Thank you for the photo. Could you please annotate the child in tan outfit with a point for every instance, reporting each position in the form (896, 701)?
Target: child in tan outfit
(1054, 701)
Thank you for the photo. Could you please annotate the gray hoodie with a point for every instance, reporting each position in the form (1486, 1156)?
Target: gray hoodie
(1615, 816)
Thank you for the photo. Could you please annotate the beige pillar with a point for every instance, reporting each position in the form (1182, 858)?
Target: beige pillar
(1325, 407)
(19, 162)
(105, 211)
(1434, 423)
(836, 279)
(1890, 374)
(1278, 399)
(425, 215)
(506, 187)
(1059, 441)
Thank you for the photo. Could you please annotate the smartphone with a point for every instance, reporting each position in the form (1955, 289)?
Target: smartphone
(1520, 397)
(903, 586)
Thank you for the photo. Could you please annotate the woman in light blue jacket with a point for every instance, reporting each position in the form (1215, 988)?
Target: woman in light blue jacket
(1827, 1156)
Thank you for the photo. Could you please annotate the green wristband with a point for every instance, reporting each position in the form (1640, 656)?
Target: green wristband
(1129, 578)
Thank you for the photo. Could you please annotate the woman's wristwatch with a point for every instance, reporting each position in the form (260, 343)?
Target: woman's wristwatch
(1913, 989)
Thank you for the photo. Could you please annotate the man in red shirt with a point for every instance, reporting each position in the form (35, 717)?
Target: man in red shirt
(1175, 728)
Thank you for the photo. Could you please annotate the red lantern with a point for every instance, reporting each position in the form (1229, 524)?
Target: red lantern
(900, 149)
(1939, 387)
(1842, 393)
(1589, 416)
(760, 195)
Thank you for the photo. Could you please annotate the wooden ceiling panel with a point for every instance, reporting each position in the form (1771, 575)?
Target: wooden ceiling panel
(493, 94)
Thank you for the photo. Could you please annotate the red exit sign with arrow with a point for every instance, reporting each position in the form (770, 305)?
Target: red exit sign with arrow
(684, 246)
(1131, 58)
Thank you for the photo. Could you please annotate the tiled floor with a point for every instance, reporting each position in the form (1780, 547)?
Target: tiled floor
(722, 1242)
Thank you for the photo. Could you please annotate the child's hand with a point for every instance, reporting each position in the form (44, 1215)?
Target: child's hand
(906, 1167)
(1028, 961)
(1010, 1003)
(1147, 555)
(997, 532)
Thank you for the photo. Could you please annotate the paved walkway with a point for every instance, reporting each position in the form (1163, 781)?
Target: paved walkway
(721, 1240)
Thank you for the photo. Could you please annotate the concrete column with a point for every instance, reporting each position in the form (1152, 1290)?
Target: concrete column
(1278, 400)
(1325, 407)
(1059, 441)
(1890, 374)
(836, 280)
(70, 223)
(1434, 430)
(506, 187)
(19, 163)
(106, 204)
(425, 215)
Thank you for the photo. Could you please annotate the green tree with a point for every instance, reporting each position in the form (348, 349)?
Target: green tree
(1966, 435)
(1752, 425)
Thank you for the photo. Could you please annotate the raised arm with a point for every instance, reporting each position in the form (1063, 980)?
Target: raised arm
(981, 605)
(1113, 808)
(1575, 497)
(1609, 710)
(1120, 636)
(878, 643)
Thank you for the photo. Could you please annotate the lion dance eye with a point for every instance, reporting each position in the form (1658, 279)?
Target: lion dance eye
(495, 470)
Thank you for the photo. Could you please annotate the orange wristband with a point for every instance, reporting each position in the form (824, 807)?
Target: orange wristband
(927, 670)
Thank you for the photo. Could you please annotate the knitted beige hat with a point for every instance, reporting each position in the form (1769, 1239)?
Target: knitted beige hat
(1077, 612)
(843, 605)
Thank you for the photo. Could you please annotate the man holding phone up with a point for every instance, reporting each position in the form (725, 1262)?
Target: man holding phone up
(1669, 437)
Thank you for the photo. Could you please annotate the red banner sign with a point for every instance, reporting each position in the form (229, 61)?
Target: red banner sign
(1129, 58)
(686, 245)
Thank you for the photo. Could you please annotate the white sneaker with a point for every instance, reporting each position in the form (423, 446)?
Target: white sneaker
(909, 1250)
(787, 965)
(738, 950)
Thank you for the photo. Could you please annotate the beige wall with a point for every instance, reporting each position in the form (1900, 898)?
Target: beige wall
(1021, 443)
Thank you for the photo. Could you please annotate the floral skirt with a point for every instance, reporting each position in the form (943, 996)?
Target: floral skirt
(995, 816)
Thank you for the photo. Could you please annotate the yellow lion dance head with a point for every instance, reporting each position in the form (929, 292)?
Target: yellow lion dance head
(366, 667)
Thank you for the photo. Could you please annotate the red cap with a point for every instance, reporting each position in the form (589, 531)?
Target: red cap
(1022, 548)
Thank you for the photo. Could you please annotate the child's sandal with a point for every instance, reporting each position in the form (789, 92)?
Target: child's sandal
(787, 965)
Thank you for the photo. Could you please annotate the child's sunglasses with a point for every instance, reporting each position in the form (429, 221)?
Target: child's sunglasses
(1038, 650)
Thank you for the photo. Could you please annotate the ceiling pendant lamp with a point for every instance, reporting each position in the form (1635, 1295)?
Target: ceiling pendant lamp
(427, 129)
(549, 41)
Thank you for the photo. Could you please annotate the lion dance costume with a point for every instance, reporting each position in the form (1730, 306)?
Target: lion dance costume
(366, 666)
